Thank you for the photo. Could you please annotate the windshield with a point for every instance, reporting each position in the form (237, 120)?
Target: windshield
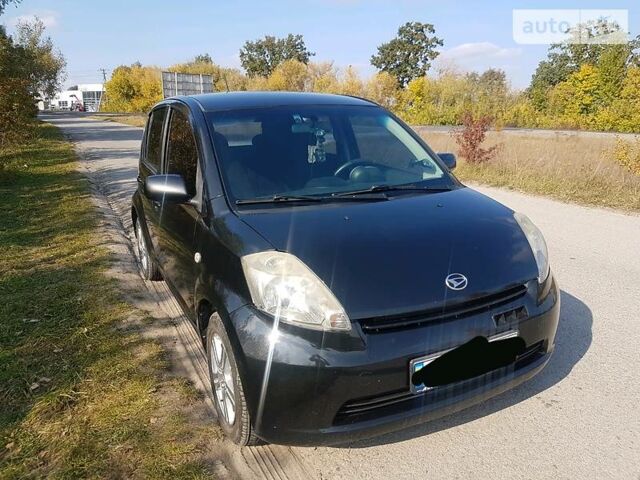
(318, 151)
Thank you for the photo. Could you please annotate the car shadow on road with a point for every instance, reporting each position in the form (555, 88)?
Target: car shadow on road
(573, 339)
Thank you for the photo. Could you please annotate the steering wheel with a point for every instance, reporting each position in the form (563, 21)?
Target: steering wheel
(350, 165)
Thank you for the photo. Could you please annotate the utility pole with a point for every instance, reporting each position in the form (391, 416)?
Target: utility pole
(104, 82)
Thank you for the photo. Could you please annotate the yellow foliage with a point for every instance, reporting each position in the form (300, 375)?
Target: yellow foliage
(443, 99)
(351, 84)
(290, 75)
(133, 89)
(382, 88)
(322, 77)
(627, 154)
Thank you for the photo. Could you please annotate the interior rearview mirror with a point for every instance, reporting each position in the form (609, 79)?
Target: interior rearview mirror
(166, 188)
(449, 159)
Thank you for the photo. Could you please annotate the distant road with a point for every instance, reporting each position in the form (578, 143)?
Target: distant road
(530, 132)
(579, 418)
(536, 132)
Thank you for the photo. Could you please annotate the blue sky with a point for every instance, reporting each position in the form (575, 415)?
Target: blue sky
(105, 34)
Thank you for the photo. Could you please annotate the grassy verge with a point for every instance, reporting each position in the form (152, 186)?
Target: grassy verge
(575, 167)
(82, 393)
(133, 120)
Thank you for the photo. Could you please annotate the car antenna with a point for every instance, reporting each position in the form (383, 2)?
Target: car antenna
(225, 82)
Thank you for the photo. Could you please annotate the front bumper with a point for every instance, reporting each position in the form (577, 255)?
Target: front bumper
(324, 388)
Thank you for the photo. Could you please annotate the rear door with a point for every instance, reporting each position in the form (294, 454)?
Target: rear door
(151, 164)
(177, 239)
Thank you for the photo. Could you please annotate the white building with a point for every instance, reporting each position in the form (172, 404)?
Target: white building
(86, 95)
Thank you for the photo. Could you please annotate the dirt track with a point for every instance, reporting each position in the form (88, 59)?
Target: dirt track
(580, 418)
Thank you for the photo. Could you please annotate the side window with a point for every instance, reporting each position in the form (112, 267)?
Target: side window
(182, 153)
(154, 138)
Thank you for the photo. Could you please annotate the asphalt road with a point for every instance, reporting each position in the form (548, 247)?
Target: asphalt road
(579, 418)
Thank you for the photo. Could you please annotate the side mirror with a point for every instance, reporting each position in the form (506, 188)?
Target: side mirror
(166, 188)
(449, 159)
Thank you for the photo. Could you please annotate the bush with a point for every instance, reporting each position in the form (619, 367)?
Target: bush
(471, 137)
(627, 155)
(133, 89)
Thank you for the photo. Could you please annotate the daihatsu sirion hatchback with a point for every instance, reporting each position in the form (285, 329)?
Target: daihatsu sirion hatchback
(344, 283)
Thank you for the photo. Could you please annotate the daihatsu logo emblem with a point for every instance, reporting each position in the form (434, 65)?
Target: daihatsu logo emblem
(456, 281)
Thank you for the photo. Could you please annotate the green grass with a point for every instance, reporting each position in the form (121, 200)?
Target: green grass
(82, 393)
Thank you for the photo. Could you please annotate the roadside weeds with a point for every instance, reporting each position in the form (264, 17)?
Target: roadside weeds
(83, 392)
(569, 167)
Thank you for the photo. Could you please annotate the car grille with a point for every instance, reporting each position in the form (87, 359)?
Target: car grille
(448, 312)
(391, 402)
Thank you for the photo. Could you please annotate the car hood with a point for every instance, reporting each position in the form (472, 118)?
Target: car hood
(391, 257)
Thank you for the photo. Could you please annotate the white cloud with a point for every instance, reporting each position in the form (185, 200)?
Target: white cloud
(481, 51)
(48, 17)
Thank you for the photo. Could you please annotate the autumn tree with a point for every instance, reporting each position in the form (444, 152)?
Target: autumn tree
(133, 89)
(382, 88)
(30, 67)
(290, 75)
(262, 56)
(410, 53)
(46, 64)
(17, 104)
(564, 59)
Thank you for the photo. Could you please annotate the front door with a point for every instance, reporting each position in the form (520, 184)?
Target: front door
(178, 222)
(150, 164)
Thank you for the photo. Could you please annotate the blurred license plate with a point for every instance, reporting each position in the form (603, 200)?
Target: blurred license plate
(419, 363)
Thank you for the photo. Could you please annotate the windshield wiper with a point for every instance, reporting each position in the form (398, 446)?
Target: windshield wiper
(308, 198)
(280, 198)
(392, 188)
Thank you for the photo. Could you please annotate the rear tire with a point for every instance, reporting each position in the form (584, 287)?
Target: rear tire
(148, 267)
(226, 386)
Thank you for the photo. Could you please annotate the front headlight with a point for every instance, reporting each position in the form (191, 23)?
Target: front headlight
(283, 286)
(537, 243)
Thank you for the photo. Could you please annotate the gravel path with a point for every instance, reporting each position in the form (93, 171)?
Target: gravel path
(580, 418)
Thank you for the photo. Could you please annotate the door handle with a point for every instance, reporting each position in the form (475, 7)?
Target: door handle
(156, 205)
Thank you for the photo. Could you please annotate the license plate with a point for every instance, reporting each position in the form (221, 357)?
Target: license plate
(419, 363)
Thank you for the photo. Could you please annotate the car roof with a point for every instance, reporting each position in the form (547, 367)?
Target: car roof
(211, 102)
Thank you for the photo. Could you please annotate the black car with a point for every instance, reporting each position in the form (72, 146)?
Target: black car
(344, 282)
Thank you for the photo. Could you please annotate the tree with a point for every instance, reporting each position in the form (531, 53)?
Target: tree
(564, 59)
(409, 55)
(382, 88)
(5, 3)
(29, 67)
(203, 58)
(290, 75)
(322, 77)
(133, 89)
(17, 104)
(262, 56)
(46, 63)
(351, 83)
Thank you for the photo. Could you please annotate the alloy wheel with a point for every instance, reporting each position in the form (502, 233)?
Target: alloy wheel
(143, 254)
(222, 376)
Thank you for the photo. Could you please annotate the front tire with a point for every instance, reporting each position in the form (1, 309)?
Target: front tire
(226, 385)
(148, 268)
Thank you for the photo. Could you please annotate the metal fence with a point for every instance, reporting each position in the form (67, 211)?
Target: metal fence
(185, 84)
